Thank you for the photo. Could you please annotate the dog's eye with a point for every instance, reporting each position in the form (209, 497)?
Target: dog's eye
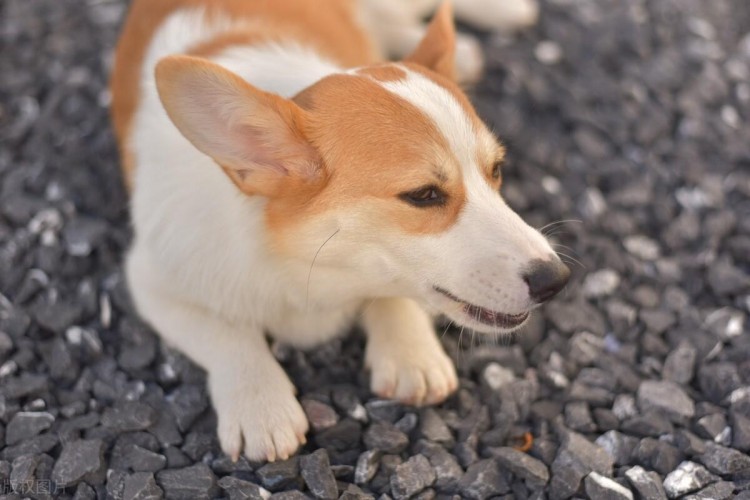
(427, 196)
(497, 170)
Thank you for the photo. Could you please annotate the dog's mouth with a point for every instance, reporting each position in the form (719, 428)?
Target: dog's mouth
(487, 316)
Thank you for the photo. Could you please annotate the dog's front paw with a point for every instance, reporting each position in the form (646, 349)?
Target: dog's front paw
(261, 418)
(416, 377)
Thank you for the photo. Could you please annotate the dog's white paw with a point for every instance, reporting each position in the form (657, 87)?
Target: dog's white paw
(494, 15)
(413, 377)
(469, 59)
(263, 419)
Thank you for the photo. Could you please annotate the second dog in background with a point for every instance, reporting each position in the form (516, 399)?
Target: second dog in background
(398, 25)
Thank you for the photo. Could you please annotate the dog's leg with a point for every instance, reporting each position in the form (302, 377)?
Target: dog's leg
(404, 355)
(493, 15)
(254, 399)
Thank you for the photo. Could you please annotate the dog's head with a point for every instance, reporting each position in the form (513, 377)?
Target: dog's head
(384, 177)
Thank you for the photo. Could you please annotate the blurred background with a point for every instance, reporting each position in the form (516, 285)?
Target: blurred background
(627, 128)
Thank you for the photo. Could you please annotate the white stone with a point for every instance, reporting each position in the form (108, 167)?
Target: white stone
(726, 322)
(593, 204)
(601, 283)
(702, 28)
(551, 184)
(359, 413)
(45, 219)
(624, 407)
(642, 247)
(74, 335)
(105, 310)
(548, 52)
(8, 368)
(693, 198)
(617, 490)
(730, 116)
(687, 477)
(497, 376)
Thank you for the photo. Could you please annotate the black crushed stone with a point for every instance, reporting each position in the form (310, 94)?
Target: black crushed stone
(634, 383)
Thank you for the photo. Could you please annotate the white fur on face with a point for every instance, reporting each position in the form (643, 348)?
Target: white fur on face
(483, 256)
(444, 111)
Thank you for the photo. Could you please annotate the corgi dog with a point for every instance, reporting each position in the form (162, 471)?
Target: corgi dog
(286, 179)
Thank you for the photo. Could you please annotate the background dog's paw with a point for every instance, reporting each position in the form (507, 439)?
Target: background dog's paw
(491, 15)
(428, 377)
(266, 423)
(469, 59)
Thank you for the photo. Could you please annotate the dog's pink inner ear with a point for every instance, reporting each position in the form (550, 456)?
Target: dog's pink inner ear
(255, 136)
(437, 50)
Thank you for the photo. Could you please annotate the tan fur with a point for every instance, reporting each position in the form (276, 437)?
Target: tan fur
(332, 30)
(437, 50)
(487, 158)
(358, 155)
(230, 38)
(264, 117)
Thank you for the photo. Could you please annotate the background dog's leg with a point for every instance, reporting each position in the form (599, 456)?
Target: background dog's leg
(253, 397)
(469, 59)
(401, 40)
(404, 355)
(397, 27)
(493, 15)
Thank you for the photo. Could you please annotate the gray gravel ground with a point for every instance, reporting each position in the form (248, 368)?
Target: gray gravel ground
(630, 116)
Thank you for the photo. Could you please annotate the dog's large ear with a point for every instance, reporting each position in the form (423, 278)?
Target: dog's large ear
(437, 50)
(256, 137)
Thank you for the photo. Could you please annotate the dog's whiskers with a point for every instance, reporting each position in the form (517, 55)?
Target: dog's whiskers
(570, 257)
(510, 338)
(460, 349)
(312, 264)
(572, 260)
(367, 306)
(563, 246)
(473, 333)
(556, 232)
(556, 223)
(446, 329)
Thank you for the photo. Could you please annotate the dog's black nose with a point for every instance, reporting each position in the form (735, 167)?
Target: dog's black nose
(546, 278)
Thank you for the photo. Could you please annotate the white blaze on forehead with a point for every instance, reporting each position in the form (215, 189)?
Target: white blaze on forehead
(458, 128)
(444, 111)
(486, 227)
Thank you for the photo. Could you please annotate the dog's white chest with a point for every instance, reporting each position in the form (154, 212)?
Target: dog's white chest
(308, 328)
